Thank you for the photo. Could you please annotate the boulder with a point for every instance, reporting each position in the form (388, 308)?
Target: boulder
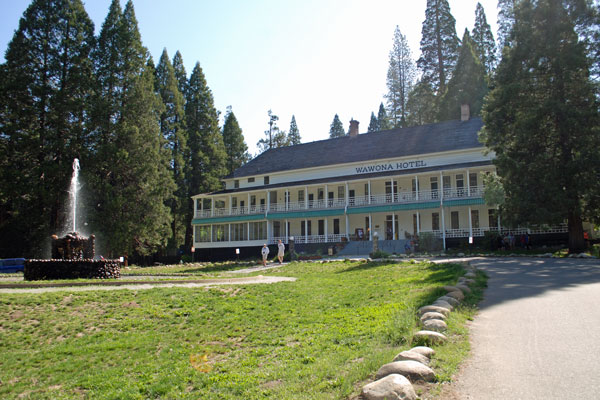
(391, 387)
(412, 356)
(458, 295)
(413, 370)
(431, 336)
(435, 325)
(464, 289)
(465, 281)
(424, 350)
(450, 300)
(450, 288)
(432, 315)
(444, 304)
(432, 308)
(470, 274)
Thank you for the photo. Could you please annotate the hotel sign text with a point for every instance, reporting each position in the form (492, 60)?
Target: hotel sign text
(390, 166)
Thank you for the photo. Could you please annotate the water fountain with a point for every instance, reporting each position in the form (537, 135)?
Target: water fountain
(73, 254)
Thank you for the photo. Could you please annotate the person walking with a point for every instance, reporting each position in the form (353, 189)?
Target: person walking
(280, 251)
(265, 254)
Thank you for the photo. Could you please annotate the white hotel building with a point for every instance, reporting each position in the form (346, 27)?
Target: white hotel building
(392, 184)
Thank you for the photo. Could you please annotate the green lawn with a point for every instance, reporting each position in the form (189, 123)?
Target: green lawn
(320, 337)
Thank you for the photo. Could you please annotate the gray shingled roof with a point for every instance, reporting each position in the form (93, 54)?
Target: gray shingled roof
(394, 143)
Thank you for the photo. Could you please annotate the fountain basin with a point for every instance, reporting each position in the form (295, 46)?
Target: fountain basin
(36, 270)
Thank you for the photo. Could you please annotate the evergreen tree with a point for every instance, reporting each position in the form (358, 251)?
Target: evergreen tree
(294, 134)
(336, 129)
(131, 181)
(373, 125)
(541, 120)
(383, 122)
(180, 73)
(172, 127)
(483, 39)
(439, 45)
(421, 105)
(468, 84)
(506, 19)
(274, 137)
(208, 154)
(400, 79)
(235, 146)
(45, 88)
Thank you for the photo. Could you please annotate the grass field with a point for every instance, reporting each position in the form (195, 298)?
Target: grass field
(320, 337)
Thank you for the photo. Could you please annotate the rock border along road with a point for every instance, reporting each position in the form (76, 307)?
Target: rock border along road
(537, 334)
(151, 285)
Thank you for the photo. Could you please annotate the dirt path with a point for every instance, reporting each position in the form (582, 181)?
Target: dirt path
(151, 285)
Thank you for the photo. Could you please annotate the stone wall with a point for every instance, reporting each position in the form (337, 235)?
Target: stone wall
(71, 269)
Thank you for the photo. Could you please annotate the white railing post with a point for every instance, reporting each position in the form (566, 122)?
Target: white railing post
(369, 186)
(470, 221)
(417, 187)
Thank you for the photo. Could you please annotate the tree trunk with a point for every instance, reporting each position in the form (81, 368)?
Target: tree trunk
(576, 241)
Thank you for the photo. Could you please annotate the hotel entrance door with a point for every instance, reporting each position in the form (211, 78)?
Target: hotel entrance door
(390, 229)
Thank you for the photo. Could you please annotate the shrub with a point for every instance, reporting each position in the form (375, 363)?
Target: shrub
(379, 254)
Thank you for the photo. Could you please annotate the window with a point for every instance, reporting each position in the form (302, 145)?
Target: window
(258, 230)
(250, 180)
(321, 227)
(236, 184)
(336, 226)
(219, 204)
(253, 200)
(276, 228)
(309, 228)
(454, 220)
(341, 192)
(433, 183)
(320, 194)
(447, 185)
(202, 233)
(460, 185)
(366, 189)
(220, 233)
(492, 218)
(435, 221)
(206, 204)
(473, 182)
(415, 231)
(351, 196)
(266, 180)
(302, 228)
(273, 197)
(311, 198)
(234, 202)
(239, 232)
(301, 197)
(388, 190)
(475, 219)
(330, 199)
(198, 204)
(414, 184)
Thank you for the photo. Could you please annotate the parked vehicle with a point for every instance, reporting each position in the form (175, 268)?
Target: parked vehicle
(12, 265)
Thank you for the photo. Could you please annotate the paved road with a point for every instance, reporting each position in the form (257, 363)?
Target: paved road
(537, 335)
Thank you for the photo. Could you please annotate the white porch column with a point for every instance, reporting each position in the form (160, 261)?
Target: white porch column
(211, 233)
(306, 231)
(392, 184)
(441, 187)
(248, 230)
(269, 231)
(443, 228)
(268, 200)
(326, 195)
(393, 226)
(229, 233)
(347, 196)
(306, 197)
(230, 204)
(470, 222)
(370, 225)
(417, 187)
(468, 184)
(248, 206)
(347, 227)
(418, 223)
(286, 198)
(369, 191)
(287, 233)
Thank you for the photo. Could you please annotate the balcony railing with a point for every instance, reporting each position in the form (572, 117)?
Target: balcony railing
(357, 201)
(331, 238)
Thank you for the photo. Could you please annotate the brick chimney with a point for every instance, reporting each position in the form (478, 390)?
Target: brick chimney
(353, 128)
(465, 112)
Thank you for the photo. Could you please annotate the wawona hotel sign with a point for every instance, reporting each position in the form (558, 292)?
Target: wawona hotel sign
(390, 166)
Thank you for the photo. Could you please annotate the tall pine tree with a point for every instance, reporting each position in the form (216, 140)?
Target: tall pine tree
(422, 105)
(180, 74)
(294, 133)
(439, 45)
(541, 120)
(274, 137)
(468, 84)
(45, 88)
(233, 139)
(400, 79)
(506, 20)
(373, 125)
(131, 181)
(484, 40)
(383, 121)
(173, 129)
(337, 128)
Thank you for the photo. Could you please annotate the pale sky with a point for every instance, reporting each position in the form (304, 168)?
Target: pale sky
(308, 58)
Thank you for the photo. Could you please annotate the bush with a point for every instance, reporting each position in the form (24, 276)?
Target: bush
(429, 242)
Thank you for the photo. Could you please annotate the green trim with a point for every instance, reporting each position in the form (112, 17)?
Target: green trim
(306, 214)
(233, 218)
(463, 202)
(393, 207)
